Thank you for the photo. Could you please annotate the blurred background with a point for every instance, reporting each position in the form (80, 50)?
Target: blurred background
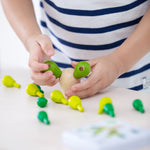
(12, 51)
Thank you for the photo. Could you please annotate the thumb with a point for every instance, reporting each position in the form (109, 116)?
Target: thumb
(46, 45)
(91, 62)
(74, 63)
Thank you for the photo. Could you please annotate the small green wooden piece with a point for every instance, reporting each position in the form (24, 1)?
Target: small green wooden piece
(42, 102)
(82, 69)
(138, 105)
(54, 68)
(106, 105)
(43, 117)
(38, 86)
(109, 109)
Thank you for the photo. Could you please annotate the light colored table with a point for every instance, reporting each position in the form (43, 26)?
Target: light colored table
(21, 130)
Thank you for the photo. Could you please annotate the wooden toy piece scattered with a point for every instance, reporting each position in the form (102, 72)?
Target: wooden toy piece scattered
(8, 81)
(106, 106)
(138, 105)
(33, 90)
(54, 68)
(39, 88)
(57, 97)
(75, 103)
(43, 117)
(82, 69)
(42, 102)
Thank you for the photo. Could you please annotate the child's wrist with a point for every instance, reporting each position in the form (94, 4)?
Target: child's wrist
(118, 62)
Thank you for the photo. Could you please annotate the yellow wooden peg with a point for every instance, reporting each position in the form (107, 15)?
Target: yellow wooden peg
(8, 81)
(57, 97)
(33, 90)
(75, 103)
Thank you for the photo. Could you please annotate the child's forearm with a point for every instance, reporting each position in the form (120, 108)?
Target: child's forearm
(20, 14)
(136, 46)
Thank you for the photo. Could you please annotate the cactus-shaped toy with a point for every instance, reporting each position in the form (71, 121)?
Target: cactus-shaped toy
(43, 117)
(75, 103)
(57, 97)
(33, 90)
(106, 106)
(54, 68)
(8, 81)
(39, 88)
(138, 105)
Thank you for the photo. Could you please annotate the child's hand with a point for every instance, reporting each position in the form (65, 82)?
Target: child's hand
(40, 50)
(104, 71)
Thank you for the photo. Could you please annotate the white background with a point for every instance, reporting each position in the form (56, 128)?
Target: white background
(12, 51)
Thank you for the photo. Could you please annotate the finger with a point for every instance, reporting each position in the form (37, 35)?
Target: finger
(51, 83)
(37, 67)
(46, 45)
(41, 77)
(74, 63)
(86, 92)
(87, 83)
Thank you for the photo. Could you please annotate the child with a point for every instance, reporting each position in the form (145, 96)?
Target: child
(113, 36)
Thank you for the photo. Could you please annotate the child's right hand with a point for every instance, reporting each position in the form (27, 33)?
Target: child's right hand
(40, 50)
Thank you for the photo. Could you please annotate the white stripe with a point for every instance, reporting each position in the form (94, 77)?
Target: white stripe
(90, 4)
(93, 39)
(131, 81)
(77, 53)
(97, 21)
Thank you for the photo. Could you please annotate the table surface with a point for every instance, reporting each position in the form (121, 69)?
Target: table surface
(20, 128)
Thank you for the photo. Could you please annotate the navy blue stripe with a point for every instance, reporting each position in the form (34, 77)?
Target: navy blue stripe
(94, 30)
(97, 12)
(85, 47)
(137, 88)
(72, 59)
(63, 65)
(134, 72)
(41, 4)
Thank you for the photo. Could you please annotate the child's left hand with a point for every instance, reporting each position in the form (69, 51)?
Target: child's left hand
(105, 70)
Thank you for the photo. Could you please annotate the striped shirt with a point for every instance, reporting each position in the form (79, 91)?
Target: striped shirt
(86, 29)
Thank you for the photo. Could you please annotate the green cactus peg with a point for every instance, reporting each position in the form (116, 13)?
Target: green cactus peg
(39, 88)
(43, 117)
(138, 105)
(106, 106)
(54, 68)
